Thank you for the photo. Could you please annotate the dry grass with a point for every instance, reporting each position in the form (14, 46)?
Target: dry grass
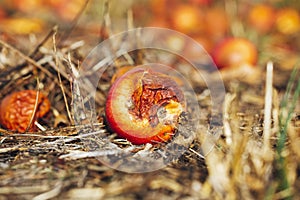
(257, 155)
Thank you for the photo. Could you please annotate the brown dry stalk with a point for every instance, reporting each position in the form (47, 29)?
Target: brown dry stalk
(60, 81)
(74, 22)
(35, 105)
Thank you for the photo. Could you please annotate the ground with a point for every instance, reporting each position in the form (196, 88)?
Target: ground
(240, 152)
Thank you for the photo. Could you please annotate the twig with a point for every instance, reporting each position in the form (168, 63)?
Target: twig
(35, 105)
(107, 22)
(227, 129)
(50, 194)
(6, 132)
(60, 81)
(198, 154)
(103, 30)
(11, 149)
(73, 24)
(130, 24)
(268, 108)
(24, 189)
(69, 139)
(90, 154)
(36, 49)
(31, 55)
(70, 130)
(27, 58)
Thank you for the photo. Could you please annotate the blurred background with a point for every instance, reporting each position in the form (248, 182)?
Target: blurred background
(271, 26)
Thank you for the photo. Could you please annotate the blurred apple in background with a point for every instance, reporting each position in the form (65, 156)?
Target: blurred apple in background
(216, 22)
(208, 22)
(262, 17)
(187, 19)
(201, 2)
(234, 52)
(237, 60)
(288, 21)
(24, 5)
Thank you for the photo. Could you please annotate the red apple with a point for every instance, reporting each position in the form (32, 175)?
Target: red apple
(233, 52)
(144, 106)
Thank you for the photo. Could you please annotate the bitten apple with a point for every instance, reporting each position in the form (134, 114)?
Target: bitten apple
(143, 106)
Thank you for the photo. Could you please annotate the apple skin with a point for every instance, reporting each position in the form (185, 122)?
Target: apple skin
(234, 52)
(120, 108)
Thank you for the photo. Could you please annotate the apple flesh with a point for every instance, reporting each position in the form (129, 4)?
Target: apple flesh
(144, 106)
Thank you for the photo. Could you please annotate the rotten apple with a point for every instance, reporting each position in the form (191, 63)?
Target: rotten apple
(144, 106)
(19, 108)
